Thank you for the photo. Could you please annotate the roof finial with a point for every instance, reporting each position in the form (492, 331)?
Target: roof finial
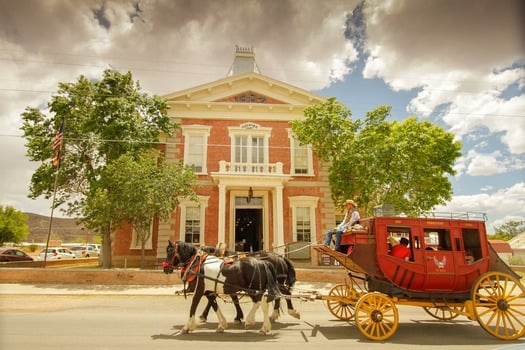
(244, 61)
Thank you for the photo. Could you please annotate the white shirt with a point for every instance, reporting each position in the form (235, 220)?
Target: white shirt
(351, 217)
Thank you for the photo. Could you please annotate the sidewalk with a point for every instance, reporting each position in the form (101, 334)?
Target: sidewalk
(129, 290)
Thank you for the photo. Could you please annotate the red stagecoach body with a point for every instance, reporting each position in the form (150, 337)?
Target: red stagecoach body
(447, 255)
(452, 270)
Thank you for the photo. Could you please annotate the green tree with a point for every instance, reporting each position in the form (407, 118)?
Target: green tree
(13, 225)
(375, 161)
(104, 119)
(143, 188)
(508, 230)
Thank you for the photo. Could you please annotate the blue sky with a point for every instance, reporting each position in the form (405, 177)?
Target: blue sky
(460, 64)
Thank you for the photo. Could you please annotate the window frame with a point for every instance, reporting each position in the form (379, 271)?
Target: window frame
(309, 202)
(184, 204)
(135, 241)
(294, 145)
(251, 131)
(196, 131)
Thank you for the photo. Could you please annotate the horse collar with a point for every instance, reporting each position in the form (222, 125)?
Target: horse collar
(193, 267)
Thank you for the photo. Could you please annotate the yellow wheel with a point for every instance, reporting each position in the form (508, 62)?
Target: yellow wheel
(444, 313)
(376, 316)
(339, 302)
(499, 305)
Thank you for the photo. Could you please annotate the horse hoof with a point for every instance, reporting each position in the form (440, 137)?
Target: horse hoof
(237, 321)
(202, 319)
(219, 330)
(264, 332)
(183, 331)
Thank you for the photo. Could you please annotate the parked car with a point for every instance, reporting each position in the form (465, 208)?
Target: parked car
(79, 251)
(85, 251)
(57, 253)
(13, 254)
(96, 246)
(91, 251)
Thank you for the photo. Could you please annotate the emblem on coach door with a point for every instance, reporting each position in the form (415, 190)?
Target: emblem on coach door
(440, 264)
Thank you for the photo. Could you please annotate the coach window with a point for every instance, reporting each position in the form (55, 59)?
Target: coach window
(471, 242)
(437, 239)
(395, 234)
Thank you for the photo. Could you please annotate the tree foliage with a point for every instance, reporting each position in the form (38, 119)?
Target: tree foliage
(375, 161)
(13, 225)
(104, 119)
(508, 230)
(137, 189)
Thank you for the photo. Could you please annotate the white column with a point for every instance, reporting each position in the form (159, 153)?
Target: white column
(278, 220)
(222, 213)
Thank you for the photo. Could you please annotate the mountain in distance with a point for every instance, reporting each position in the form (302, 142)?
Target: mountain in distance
(64, 229)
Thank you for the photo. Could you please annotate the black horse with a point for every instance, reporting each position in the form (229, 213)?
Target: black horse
(253, 277)
(207, 275)
(222, 252)
(286, 278)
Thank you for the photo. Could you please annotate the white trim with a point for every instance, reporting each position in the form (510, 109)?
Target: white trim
(293, 142)
(135, 242)
(203, 132)
(265, 218)
(185, 203)
(250, 130)
(309, 202)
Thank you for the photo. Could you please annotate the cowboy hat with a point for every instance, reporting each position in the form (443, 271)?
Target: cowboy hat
(349, 201)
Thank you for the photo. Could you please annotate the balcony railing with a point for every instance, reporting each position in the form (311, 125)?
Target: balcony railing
(251, 168)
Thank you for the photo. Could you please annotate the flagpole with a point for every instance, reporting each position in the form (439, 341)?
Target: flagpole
(51, 217)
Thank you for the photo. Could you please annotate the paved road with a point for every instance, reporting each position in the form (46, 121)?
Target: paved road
(123, 317)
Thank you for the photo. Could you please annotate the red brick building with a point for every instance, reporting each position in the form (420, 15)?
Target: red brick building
(258, 188)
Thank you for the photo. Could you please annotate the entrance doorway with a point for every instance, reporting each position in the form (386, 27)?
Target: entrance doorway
(248, 230)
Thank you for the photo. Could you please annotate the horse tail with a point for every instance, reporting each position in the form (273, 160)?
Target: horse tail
(291, 276)
(271, 282)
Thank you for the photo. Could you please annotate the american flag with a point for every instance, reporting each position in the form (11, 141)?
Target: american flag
(57, 145)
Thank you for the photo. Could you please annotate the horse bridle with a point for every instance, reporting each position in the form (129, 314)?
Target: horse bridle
(176, 254)
(171, 263)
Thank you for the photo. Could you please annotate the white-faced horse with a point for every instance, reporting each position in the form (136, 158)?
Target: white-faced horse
(208, 276)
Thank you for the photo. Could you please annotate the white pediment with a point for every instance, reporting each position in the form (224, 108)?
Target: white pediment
(251, 88)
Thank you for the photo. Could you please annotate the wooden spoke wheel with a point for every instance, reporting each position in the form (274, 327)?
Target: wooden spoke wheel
(499, 305)
(376, 316)
(444, 313)
(340, 302)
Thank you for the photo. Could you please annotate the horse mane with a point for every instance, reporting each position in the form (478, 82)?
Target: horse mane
(186, 251)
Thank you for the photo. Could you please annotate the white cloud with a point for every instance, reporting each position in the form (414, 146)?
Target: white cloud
(484, 164)
(459, 55)
(476, 163)
(503, 204)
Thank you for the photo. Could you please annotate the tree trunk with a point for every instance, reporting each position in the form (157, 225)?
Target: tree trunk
(142, 254)
(106, 248)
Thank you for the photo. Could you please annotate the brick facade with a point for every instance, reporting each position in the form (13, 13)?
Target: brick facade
(250, 103)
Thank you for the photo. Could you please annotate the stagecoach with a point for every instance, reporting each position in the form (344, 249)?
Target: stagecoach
(453, 271)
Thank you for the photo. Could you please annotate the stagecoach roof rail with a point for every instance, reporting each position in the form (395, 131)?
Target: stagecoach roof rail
(469, 215)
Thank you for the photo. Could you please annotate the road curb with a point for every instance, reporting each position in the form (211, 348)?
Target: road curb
(135, 277)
